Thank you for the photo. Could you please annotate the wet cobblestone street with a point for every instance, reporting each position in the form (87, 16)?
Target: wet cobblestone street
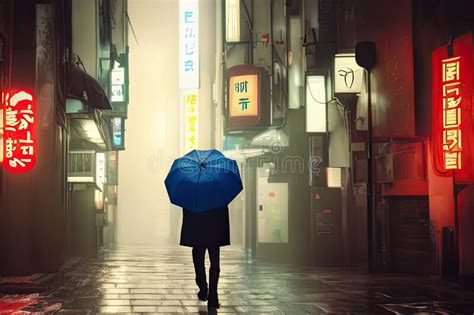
(161, 280)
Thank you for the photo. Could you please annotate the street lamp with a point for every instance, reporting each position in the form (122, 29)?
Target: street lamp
(366, 58)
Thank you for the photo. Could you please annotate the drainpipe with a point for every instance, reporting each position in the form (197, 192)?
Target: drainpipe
(370, 184)
(455, 191)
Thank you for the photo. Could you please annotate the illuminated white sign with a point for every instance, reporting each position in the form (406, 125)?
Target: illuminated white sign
(232, 20)
(348, 75)
(100, 170)
(188, 44)
(117, 81)
(243, 96)
(316, 107)
(334, 179)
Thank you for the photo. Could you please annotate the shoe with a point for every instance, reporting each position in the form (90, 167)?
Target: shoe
(202, 295)
(213, 303)
(211, 306)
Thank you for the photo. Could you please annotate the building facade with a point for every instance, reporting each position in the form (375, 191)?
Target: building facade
(33, 201)
(314, 192)
(55, 112)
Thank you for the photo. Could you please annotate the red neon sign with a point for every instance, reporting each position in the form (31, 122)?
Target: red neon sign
(452, 109)
(19, 131)
(453, 133)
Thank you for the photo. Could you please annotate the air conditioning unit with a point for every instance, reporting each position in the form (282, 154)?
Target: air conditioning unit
(81, 167)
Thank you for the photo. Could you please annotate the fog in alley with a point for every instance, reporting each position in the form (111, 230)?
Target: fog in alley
(236, 156)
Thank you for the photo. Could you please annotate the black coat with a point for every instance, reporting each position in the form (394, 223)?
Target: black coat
(205, 229)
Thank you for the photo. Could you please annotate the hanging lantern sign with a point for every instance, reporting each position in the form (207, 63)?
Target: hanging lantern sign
(248, 98)
(348, 75)
(453, 132)
(19, 132)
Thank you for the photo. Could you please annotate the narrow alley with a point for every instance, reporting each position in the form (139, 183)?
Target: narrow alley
(161, 280)
(316, 155)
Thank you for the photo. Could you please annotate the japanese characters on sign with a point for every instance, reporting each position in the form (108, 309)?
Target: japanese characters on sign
(100, 170)
(243, 96)
(348, 74)
(452, 106)
(1, 135)
(189, 71)
(188, 44)
(19, 134)
(191, 120)
(248, 101)
(117, 84)
(453, 129)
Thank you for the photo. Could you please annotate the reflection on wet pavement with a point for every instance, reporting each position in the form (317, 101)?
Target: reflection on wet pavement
(161, 280)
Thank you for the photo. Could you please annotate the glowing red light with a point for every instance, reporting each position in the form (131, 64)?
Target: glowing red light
(453, 117)
(19, 130)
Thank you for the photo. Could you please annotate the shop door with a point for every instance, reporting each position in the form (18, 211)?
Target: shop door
(410, 235)
(83, 221)
(272, 215)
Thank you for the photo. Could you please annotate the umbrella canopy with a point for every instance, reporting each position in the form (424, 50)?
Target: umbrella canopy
(203, 180)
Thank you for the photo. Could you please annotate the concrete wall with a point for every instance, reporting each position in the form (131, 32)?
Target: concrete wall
(152, 128)
(120, 31)
(389, 25)
(84, 33)
(207, 42)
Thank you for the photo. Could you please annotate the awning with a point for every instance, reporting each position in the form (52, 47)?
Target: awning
(271, 137)
(88, 133)
(241, 155)
(85, 88)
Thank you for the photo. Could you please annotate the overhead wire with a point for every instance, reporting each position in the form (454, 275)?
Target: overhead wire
(131, 27)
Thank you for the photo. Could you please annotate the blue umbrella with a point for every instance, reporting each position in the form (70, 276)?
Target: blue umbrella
(202, 180)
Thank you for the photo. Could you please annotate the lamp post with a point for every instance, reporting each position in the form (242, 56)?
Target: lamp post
(366, 58)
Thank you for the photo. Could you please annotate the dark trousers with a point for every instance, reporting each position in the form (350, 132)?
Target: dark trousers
(200, 269)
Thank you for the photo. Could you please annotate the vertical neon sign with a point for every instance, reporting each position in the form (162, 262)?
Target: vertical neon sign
(191, 120)
(452, 106)
(188, 44)
(453, 132)
(189, 73)
(19, 132)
